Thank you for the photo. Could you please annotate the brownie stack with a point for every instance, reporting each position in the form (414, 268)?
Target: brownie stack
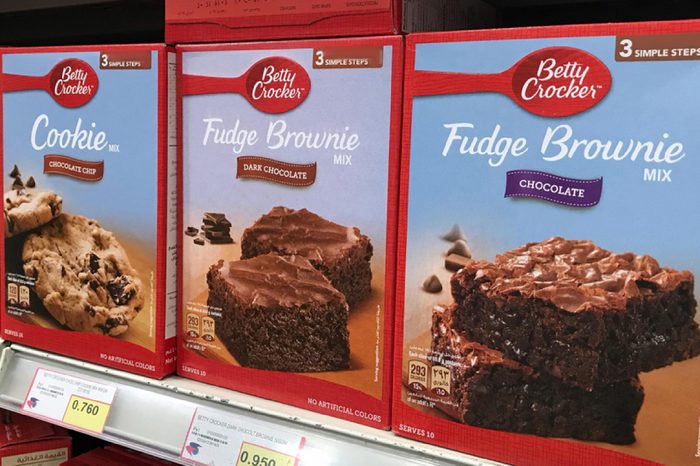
(556, 333)
(284, 306)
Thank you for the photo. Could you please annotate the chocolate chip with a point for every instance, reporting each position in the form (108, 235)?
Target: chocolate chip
(191, 231)
(199, 241)
(454, 262)
(15, 172)
(109, 325)
(460, 248)
(94, 284)
(117, 290)
(31, 183)
(94, 262)
(52, 206)
(17, 184)
(432, 284)
(63, 271)
(90, 310)
(454, 234)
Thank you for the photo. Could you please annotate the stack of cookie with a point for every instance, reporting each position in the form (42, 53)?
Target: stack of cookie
(96, 289)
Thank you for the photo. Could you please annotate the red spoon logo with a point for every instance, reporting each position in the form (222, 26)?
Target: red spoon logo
(71, 83)
(271, 85)
(551, 82)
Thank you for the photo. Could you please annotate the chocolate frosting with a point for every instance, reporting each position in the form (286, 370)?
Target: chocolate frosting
(303, 233)
(574, 275)
(272, 281)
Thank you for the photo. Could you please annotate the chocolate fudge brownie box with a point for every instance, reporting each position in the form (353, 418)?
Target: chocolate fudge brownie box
(547, 254)
(290, 155)
(191, 21)
(90, 191)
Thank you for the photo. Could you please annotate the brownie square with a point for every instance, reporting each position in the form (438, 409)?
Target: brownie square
(492, 391)
(578, 312)
(341, 253)
(279, 313)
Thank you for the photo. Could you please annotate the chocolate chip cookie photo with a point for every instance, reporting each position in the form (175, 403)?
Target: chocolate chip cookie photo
(83, 276)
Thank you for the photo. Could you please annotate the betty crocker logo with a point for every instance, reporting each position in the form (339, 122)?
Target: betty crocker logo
(551, 82)
(560, 81)
(271, 85)
(73, 83)
(277, 85)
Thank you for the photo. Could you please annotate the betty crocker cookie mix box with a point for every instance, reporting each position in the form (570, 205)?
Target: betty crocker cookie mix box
(290, 157)
(89, 176)
(547, 253)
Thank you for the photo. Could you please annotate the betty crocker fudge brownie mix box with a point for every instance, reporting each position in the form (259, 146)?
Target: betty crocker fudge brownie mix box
(547, 253)
(290, 178)
(89, 176)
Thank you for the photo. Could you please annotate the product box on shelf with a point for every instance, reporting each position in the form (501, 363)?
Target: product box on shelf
(90, 187)
(27, 441)
(189, 21)
(547, 252)
(114, 455)
(289, 187)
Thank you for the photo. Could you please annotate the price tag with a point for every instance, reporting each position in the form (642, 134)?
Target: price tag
(70, 400)
(221, 439)
(255, 455)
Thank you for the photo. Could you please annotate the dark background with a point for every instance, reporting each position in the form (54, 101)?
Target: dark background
(57, 22)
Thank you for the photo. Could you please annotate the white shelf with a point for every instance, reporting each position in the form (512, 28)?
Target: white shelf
(153, 416)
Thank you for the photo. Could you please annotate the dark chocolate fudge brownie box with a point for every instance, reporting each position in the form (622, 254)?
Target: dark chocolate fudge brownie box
(290, 156)
(90, 201)
(547, 252)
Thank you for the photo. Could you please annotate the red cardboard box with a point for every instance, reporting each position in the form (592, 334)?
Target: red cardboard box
(114, 455)
(88, 141)
(24, 440)
(528, 330)
(189, 21)
(302, 136)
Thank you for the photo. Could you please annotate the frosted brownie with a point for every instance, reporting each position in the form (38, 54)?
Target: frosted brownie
(578, 312)
(492, 391)
(279, 313)
(341, 253)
